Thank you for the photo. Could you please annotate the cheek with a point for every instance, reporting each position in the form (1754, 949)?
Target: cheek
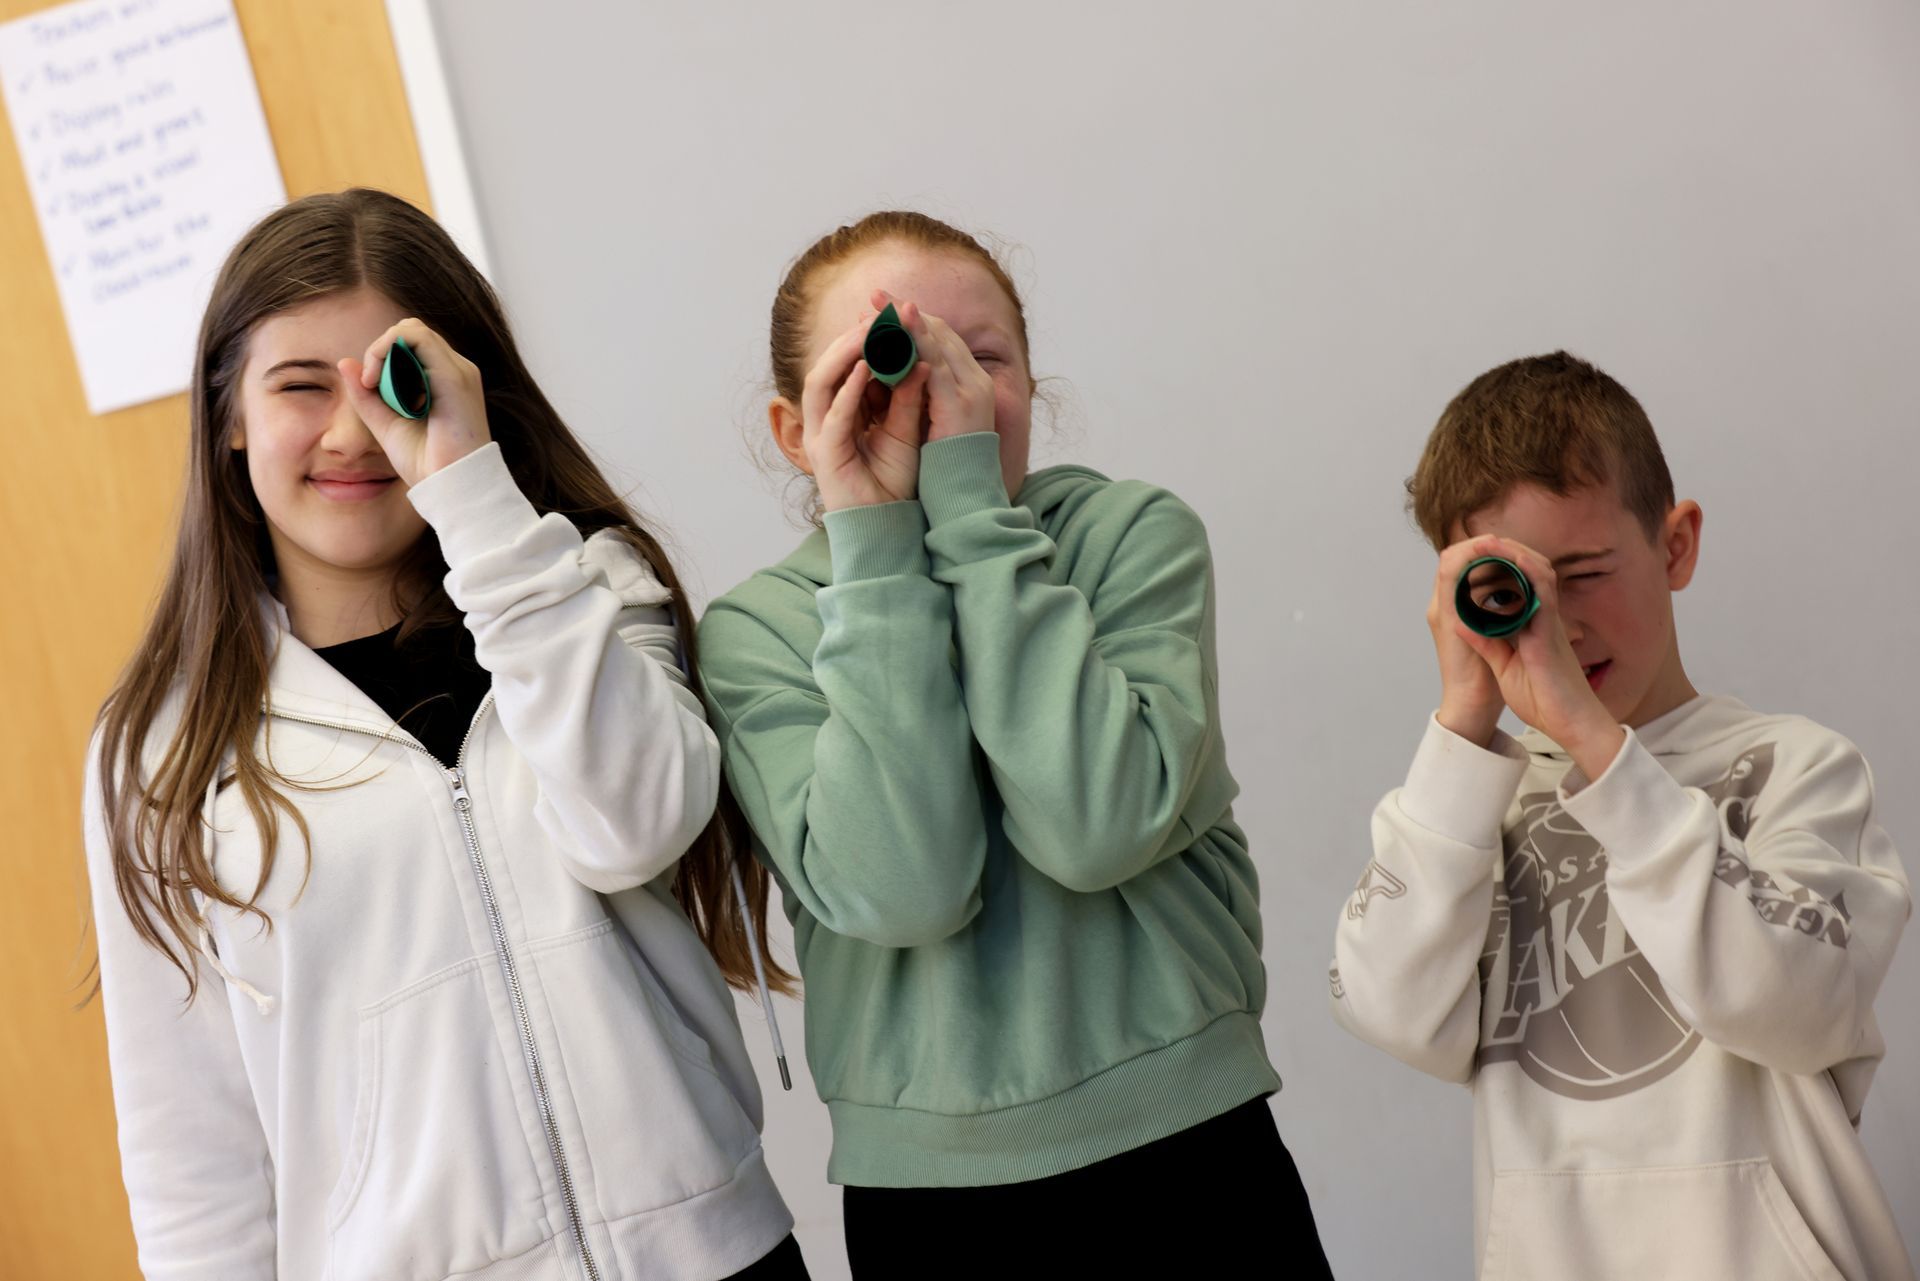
(281, 435)
(1012, 406)
(1630, 621)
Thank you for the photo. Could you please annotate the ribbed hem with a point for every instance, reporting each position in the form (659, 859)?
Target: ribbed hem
(960, 475)
(879, 540)
(1460, 790)
(1124, 1107)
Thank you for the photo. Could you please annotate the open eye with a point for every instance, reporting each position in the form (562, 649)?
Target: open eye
(1499, 599)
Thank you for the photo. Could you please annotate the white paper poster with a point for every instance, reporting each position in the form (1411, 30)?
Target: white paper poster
(147, 156)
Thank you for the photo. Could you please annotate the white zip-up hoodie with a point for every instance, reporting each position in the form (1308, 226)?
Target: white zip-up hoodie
(480, 1040)
(1659, 984)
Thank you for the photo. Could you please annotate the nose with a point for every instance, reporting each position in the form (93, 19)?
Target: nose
(346, 434)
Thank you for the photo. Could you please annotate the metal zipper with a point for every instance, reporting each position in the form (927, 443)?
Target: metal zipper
(502, 950)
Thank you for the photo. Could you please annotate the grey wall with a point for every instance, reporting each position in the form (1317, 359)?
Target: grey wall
(1262, 245)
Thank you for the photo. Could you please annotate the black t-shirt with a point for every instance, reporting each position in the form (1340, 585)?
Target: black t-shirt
(431, 686)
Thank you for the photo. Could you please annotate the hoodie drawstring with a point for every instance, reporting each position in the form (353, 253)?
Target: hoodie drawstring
(760, 976)
(261, 1001)
(740, 896)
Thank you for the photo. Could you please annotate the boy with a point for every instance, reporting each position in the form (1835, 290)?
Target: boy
(1649, 933)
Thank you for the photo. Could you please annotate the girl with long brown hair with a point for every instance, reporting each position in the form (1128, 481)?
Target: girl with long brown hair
(416, 916)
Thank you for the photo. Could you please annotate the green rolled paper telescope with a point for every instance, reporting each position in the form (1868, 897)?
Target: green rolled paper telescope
(403, 382)
(1494, 598)
(889, 349)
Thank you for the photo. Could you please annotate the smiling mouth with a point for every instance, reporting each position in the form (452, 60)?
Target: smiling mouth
(358, 489)
(1597, 672)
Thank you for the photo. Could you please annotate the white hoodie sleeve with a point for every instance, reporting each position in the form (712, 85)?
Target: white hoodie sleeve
(1772, 943)
(586, 674)
(192, 1151)
(1406, 972)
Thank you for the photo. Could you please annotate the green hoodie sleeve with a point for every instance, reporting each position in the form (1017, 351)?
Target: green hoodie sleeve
(851, 756)
(1090, 697)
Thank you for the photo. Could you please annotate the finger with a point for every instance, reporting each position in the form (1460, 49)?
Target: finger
(908, 406)
(374, 412)
(1455, 559)
(377, 350)
(943, 383)
(1496, 653)
(945, 345)
(942, 335)
(828, 375)
(836, 433)
(1539, 571)
(873, 404)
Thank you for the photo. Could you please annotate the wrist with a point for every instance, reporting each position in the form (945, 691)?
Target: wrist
(961, 475)
(448, 451)
(1476, 724)
(940, 431)
(1594, 747)
(838, 498)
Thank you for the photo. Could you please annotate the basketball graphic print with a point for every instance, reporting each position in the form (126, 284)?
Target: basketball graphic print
(1565, 992)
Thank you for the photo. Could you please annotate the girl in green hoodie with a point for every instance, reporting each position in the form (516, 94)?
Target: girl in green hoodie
(978, 741)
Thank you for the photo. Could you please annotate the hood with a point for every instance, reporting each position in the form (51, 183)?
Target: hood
(1691, 727)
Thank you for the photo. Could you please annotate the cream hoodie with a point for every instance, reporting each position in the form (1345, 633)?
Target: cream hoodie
(481, 1040)
(1659, 985)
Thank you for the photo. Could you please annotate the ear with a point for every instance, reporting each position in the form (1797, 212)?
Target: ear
(1680, 543)
(789, 432)
(237, 437)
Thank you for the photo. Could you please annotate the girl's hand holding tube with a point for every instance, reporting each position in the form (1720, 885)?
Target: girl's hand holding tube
(862, 440)
(457, 423)
(959, 391)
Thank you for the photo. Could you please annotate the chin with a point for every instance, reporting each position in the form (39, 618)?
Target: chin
(356, 555)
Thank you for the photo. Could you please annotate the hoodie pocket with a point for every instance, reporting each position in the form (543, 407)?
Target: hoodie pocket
(662, 1125)
(437, 1177)
(1731, 1220)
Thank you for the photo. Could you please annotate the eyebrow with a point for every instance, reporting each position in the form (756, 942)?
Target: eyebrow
(1574, 558)
(988, 329)
(308, 363)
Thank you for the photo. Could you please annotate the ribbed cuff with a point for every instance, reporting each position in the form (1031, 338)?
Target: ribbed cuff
(1459, 789)
(1634, 809)
(960, 475)
(474, 505)
(879, 540)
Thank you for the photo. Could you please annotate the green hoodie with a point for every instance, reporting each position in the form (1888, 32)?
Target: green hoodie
(979, 746)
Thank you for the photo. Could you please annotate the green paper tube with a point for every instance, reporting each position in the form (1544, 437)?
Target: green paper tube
(1494, 598)
(889, 350)
(403, 382)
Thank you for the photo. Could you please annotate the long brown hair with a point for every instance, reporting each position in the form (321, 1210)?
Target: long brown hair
(207, 645)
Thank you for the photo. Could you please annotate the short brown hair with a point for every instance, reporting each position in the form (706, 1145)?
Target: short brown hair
(1554, 421)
